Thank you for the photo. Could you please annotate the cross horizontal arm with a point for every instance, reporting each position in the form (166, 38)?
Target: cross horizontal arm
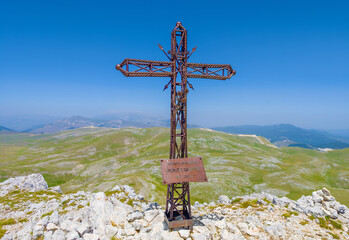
(210, 71)
(145, 68)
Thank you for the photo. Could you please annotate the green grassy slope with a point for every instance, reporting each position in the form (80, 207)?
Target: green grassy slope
(96, 159)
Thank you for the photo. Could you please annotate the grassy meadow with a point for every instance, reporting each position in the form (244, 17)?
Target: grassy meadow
(96, 159)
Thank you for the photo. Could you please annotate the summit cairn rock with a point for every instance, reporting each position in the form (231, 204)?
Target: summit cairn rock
(85, 215)
(326, 192)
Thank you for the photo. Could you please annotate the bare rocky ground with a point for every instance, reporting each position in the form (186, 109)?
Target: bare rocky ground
(31, 210)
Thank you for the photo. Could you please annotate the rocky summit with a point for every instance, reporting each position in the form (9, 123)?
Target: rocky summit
(29, 209)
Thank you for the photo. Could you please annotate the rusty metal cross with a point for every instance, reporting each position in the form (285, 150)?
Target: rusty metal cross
(178, 197)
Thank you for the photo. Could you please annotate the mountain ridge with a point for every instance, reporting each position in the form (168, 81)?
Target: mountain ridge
(5, 130)
(290, 135)
(279, 134)
(74, 122)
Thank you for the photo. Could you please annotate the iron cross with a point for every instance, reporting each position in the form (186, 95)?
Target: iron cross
(178, 198)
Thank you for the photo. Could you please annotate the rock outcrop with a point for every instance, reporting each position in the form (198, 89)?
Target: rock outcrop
(31, 210)
(33, 182)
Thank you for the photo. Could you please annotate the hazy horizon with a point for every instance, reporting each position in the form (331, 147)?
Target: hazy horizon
(34, 120)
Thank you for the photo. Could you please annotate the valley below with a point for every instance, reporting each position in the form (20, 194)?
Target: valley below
(97, 158)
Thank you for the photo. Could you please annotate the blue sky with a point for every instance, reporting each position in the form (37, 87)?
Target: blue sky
(292, 59)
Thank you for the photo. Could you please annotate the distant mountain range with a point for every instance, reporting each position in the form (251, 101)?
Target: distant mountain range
(339, 132)
(4, 130)
(23, 122)
(79, 121)
(280, 135)
(292, 136)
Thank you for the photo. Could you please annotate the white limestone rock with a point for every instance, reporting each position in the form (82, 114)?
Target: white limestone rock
(316, 197)
(83, 229)
(200, 236)
(51, 227)
(329, 198)
(110, 231)
(233, 229)
(275, 229)
(39, 228)
(149, 216)
(170, 235)
(116, 188)
(137, 225)
(223, 199)
(243, 227)
(34, 182)
(127, 189)
(326, 192)
(68, 226)
(221, 224)
(56, 189)
(184, 233)
(91, 236)
(25, 231)
(91, 216)
(48, 235)
(58, 235)
(134, 216)
(54, 218)
(72, 235)
(130, 231)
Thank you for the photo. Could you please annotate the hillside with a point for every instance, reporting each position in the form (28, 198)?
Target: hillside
(98, 158)
(288, 135)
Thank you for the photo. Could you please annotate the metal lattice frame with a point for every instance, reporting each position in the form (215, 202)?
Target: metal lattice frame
(178, 195)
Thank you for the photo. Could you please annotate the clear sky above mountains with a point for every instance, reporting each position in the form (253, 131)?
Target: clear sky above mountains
(291, 58)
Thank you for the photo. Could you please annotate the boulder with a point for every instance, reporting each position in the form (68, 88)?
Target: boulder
(116, 188)
(34, 182)
(134, 216)
(329, 198)
(275, 229)
(149, 216)
(316, 197)
(54, 218)
(51, 227)
(72, 236)
(137, 225)
(58, 235)
(91, 236)
(68, 226)
(83, 229)
(127, 189)
(130, 231)
(326, 192)
(184, 233)
(56, 189)
(342, 209)
(223, 199)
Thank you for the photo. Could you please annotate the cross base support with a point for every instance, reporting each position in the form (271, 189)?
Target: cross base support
(187, 223)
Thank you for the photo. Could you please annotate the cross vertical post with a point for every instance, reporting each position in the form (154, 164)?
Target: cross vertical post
(178, 197)
(178, 208)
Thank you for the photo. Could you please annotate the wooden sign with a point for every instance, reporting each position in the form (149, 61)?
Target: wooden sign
(183, 170)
